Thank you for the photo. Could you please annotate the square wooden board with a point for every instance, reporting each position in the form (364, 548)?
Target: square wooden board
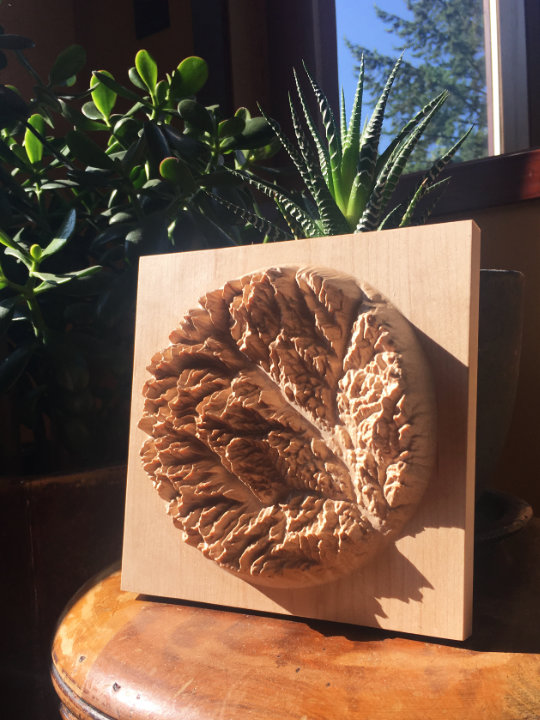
(423, 583)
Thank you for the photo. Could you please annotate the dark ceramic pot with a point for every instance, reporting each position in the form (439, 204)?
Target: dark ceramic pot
(499, 349)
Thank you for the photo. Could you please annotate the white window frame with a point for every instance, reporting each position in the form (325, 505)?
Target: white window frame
(506, 76)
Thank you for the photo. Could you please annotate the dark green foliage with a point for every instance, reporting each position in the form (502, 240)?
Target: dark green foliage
(89, 182)
(443, 42)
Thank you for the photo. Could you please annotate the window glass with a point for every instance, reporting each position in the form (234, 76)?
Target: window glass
(442, 42)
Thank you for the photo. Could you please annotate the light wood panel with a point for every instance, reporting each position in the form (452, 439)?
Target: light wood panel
(421, 584)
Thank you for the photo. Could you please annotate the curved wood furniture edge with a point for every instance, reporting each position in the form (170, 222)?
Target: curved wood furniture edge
(119, 655)
(69, 699)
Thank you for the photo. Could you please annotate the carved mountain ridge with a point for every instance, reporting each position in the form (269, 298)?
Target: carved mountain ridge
(291, 425)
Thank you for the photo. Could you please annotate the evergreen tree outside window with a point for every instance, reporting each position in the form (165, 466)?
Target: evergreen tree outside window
(442, 42)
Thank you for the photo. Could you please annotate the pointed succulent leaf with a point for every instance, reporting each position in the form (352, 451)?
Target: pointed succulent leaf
(351, 147)
(304, 146)
(342, 118)
(291, 151)
(370, 139)
(32, 144)
(104, 98)
(291, 210)
(300, 216)
(332, 134)
(264, 226)
(390, 174)
(322, 151)
(147, 69)
(68, 63)
(431, 108)
(429, 180)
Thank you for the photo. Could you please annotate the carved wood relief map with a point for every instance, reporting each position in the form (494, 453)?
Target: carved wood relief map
(291, 424)
(303, 428)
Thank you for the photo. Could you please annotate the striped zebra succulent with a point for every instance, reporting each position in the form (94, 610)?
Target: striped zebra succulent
(349, 183)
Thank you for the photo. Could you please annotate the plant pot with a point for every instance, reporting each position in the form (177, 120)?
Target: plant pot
(499, 350)
(55, 533)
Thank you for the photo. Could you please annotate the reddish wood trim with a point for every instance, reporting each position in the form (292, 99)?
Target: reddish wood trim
(488, 182)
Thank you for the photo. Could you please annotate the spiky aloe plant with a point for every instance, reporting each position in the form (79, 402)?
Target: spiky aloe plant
(349, 184)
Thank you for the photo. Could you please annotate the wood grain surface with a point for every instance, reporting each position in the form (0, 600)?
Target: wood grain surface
(119, 655)
(422, 584)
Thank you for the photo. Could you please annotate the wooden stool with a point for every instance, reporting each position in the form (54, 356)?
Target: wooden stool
(119, 655)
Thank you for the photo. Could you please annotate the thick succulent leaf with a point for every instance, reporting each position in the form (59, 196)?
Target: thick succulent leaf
(135, 78)
(116, 87)
(32, 143)
(104, 98)
(230, 127)
(87, 151)
(63, 235)
(178, 172)
(50, 280)
(68, 63)
(196, 114)
(188, 78)
(157, 146)
(90, 111)
(147, 69)
(12, 160)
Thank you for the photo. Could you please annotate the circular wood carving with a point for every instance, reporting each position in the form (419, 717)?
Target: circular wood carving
(291, 425)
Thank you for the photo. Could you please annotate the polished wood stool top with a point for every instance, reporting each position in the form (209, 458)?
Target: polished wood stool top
(120, 655)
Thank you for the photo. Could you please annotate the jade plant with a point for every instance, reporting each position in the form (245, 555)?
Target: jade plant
(348, 183)
(90, 179)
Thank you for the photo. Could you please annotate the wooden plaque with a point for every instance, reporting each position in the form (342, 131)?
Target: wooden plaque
(421, 583)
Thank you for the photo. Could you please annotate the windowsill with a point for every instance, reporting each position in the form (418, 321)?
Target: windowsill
(489, 182)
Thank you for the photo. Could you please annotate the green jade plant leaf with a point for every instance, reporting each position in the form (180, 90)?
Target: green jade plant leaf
(348, 182)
